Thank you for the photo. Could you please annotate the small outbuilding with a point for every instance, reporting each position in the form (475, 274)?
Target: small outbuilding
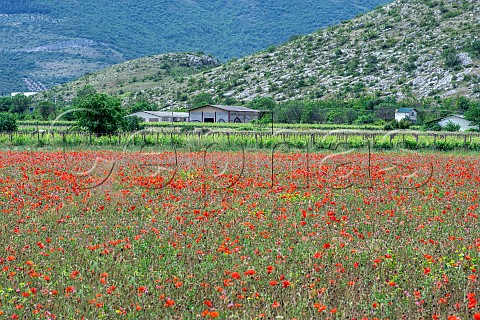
(217, 113)
(457, 119)
(406, 113)
(161, 116)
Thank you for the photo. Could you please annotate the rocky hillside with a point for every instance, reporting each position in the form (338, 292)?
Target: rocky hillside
(419, 48)
(131, 78)
(55, 41)
(407, 48)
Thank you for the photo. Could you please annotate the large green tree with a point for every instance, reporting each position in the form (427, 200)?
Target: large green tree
(473, 113)
(5, 104)
(100, 113)
(262, 103)
(8, 122)
(132, 123)
(201, 99)
(143, 106)
(20, 103)
(46, 109)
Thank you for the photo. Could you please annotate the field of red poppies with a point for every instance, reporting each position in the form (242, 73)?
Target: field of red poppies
(242, 235)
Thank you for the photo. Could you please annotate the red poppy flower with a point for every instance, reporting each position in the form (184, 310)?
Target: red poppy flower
(249, 272)
(169, 302)
(236, 275)
(208, 303)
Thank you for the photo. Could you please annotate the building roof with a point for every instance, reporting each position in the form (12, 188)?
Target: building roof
(163, 114)
(405, 110)
(227, 108)
(26, 94)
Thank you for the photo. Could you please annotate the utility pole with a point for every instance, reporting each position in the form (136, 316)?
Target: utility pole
(272, 122)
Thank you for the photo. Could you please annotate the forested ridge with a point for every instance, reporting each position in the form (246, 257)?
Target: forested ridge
(123, 30)
(22, 6)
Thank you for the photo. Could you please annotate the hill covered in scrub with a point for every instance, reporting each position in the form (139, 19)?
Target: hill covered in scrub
(409, 48)
(135, 76)
(52, 42)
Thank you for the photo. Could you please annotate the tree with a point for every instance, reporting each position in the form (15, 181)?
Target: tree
(265, 118)
(201, 99)
(86, 90)
(336, 116)
(394, 124)
(289, 111)
(473, 114)
(368, 118)
(404, 124)
(5, 104)
(132, 123)
(8, 123)
(100, 113)
(350, 115)
(83, 93)
(450, 126)
(46, 108)
(230, 101)
(143, 106)
(20, 103)
(462, 103)
(262, 103)
(452, 60)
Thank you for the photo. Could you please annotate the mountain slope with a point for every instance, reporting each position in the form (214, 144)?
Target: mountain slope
(407, 48)
(58, 40)
(132, 77)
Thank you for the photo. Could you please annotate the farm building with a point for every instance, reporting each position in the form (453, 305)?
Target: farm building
(216, 113)
(161, 116)
(26, 94)
(406, 113)
(458, 120)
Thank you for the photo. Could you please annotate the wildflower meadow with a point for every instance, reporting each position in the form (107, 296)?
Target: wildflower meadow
(243, 234)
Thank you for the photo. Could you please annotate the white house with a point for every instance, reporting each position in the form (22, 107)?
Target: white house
(161, 116)
(457, 119)
(406, 113)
